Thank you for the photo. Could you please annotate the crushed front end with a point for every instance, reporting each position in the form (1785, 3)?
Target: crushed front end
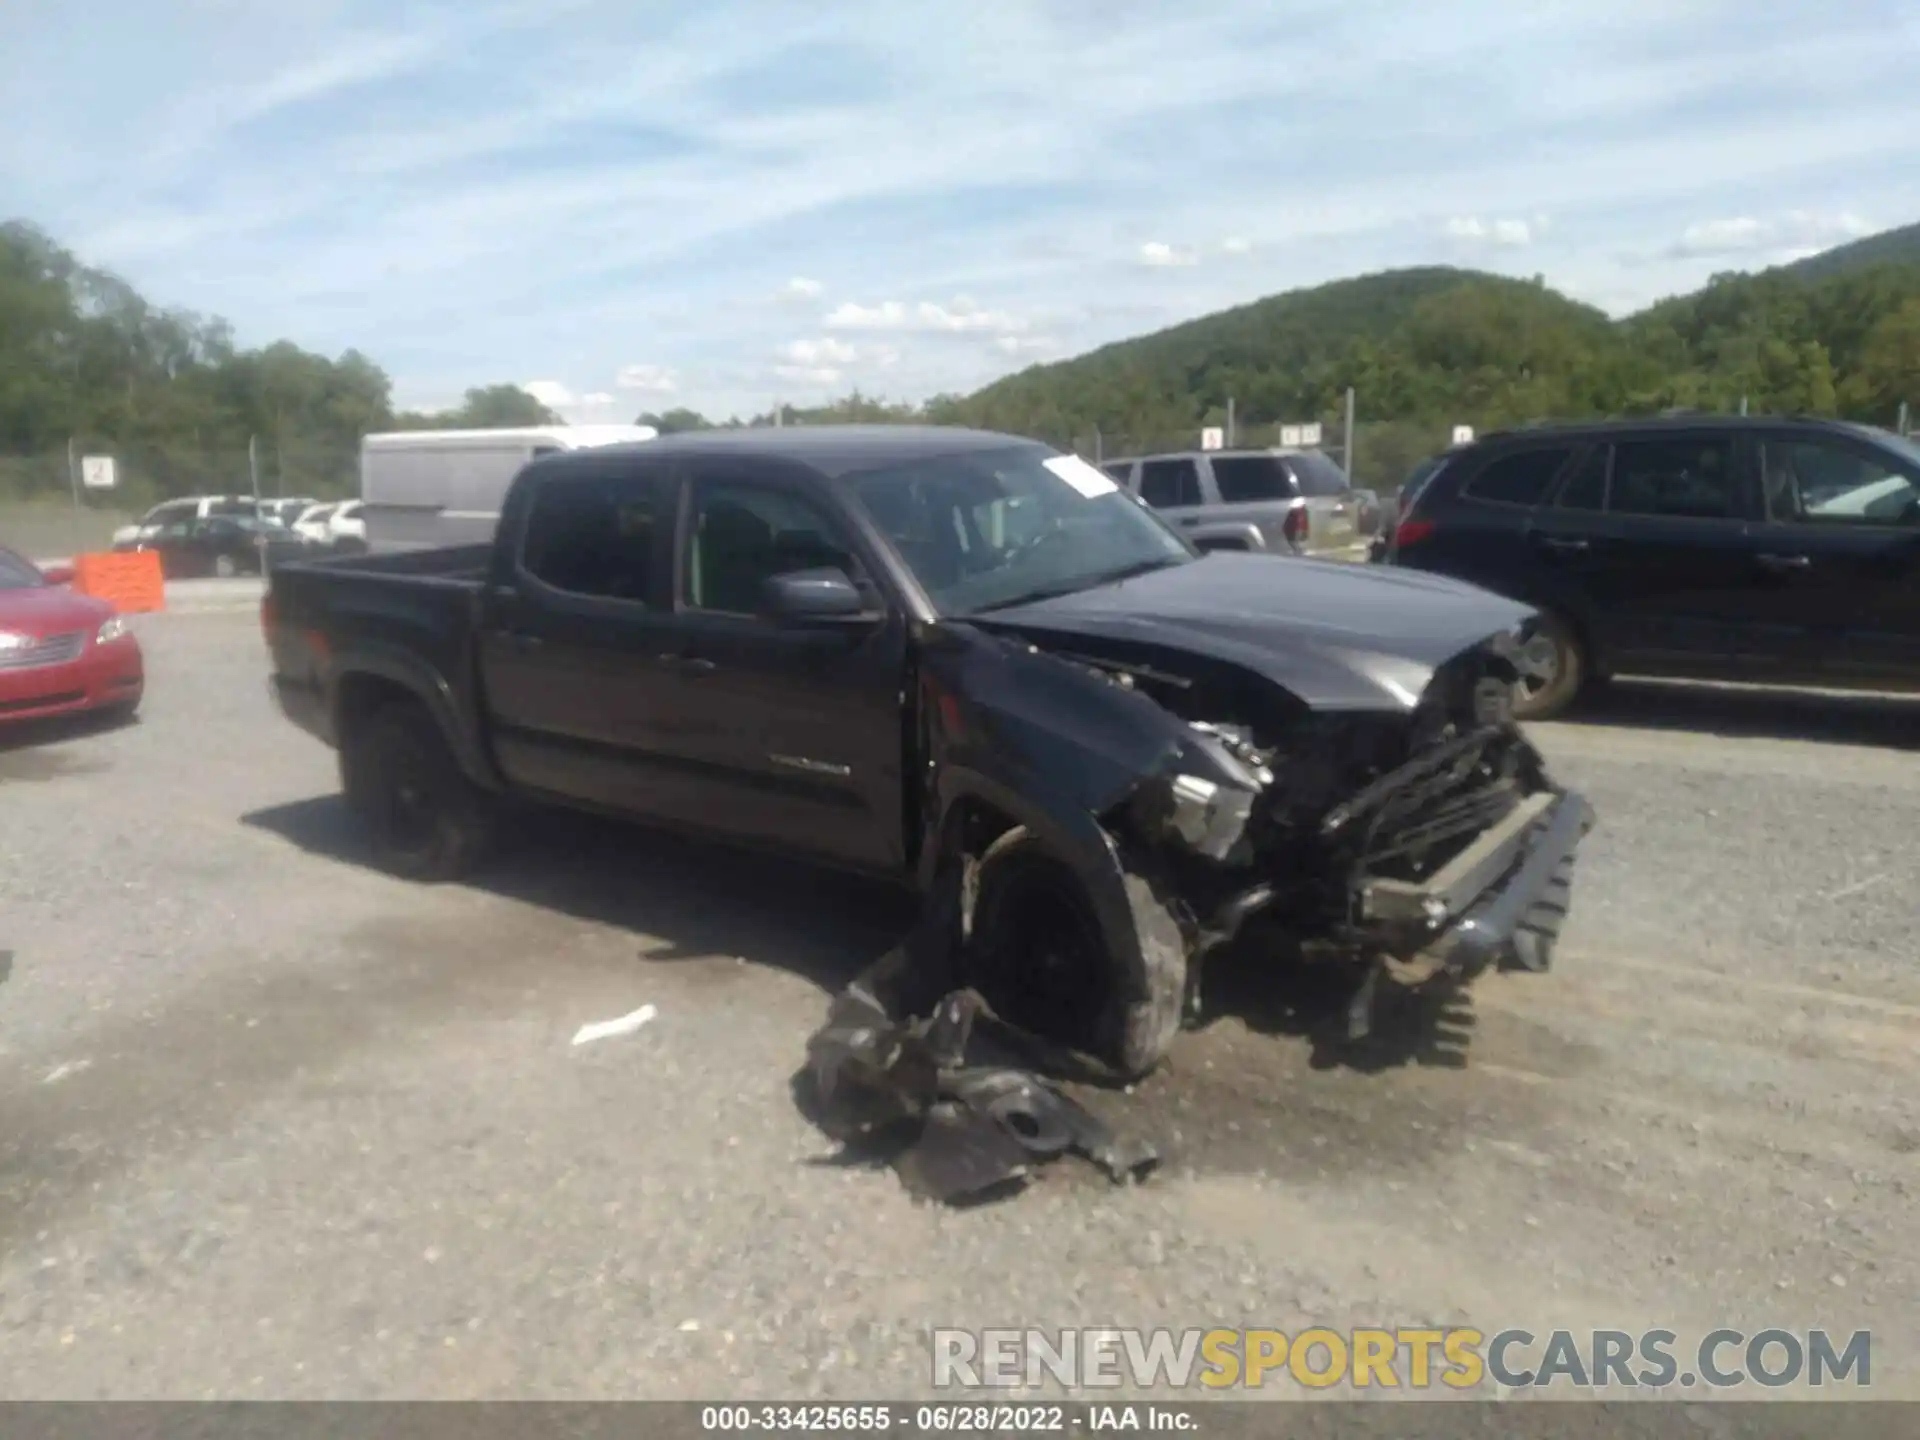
(1429, 840)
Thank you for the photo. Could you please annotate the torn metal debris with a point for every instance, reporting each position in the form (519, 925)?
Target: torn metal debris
(958, 1121)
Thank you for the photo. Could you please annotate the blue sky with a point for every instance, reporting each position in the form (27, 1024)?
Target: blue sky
(629, 206)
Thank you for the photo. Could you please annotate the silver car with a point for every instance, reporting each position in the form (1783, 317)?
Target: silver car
(1289, 501)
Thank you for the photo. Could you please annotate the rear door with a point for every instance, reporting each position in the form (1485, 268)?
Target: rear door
(575, 645)
(791, 736)
(1654, 529)
(1839, 555)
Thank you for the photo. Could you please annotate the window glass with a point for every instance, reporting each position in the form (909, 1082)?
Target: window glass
(1520, 479)
(1318, 476)
(1166, 483)
(1690, 478)
(743, 535)
(1245, 479)
(594, 536)
(1001, 526)
(1120, 470)
(17, 574)
(1586, 487)
(1816, 482)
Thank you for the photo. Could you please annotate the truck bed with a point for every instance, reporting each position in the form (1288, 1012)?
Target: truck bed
(456, 562)
(414, 608)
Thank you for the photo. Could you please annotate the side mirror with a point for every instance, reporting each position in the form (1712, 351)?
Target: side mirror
(58, 574)
(802, 597)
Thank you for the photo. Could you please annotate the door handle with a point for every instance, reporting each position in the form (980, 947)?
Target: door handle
(1562, 544)
(1784, 562)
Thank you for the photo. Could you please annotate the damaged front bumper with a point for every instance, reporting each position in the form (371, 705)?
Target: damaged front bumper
(1501, 901)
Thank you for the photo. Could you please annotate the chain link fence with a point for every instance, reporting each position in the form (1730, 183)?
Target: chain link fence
(45, 510)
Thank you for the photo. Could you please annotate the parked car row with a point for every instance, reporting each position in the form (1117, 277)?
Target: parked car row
(224, 535)
(1761, 549)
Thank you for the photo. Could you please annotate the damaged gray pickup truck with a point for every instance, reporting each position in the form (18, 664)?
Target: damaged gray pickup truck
(966, 662)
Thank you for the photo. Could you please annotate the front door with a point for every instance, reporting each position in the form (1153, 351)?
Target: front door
(795, 732)
(1840, 549)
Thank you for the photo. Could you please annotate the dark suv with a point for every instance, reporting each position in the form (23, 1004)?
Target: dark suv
(1776, 550)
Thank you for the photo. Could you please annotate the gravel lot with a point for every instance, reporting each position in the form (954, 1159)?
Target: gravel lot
(274, 1125)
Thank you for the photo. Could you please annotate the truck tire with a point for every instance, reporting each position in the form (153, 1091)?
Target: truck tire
(424, 819)
(1035, 952)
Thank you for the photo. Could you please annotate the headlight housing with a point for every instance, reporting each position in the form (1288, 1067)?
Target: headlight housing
(10, 641)
(112, 630)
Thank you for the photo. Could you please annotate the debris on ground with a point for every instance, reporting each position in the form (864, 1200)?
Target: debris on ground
(943, 1092)
(613, 1029)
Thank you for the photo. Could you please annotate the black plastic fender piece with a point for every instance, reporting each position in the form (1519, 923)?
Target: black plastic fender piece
(954, 1131)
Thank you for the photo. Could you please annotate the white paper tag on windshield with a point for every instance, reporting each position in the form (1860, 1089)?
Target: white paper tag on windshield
(1082, 476)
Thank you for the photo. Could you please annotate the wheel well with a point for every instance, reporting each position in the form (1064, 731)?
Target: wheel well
(360, 697)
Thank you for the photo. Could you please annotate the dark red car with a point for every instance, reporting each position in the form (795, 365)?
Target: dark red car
(61, 653)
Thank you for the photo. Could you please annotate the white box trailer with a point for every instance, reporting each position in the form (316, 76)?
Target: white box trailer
(425, 488)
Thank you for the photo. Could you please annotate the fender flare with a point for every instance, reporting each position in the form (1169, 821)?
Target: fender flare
(427, 685)
(1143, 942)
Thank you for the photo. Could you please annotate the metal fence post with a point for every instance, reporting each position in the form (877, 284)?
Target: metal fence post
(1230, 434)
(1901, 427)
(1346, 441)
(73, 483)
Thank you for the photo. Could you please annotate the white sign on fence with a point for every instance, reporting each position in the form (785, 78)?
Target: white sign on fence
(96, 472)
(1310, 434)
(1463, 434)
(1290, 436)
(1212, 438)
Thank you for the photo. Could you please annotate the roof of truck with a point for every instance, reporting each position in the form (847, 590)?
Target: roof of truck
(830, 449)
(571, 436)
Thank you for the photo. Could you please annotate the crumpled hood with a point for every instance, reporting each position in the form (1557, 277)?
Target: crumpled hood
(1339, 636)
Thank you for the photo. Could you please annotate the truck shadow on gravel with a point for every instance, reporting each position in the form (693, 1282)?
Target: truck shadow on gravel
(699, 899)
(1891, 721)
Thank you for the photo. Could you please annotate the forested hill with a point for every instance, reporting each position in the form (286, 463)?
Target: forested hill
(1443, 345)
(1889, 247)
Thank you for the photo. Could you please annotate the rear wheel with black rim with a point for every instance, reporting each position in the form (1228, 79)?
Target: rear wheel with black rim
(1553, 670)
(422, 817)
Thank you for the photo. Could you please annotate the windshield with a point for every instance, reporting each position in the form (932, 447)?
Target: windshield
(17, 574)
(999, 527)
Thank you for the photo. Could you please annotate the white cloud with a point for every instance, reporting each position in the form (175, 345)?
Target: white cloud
(596, 400)
(653, 379)
(1506, 233)
(820, 352)
(1795, 235)
(1160, 254)
(1236, 245)
(550, 393)
(961, 317)
(801, 288)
